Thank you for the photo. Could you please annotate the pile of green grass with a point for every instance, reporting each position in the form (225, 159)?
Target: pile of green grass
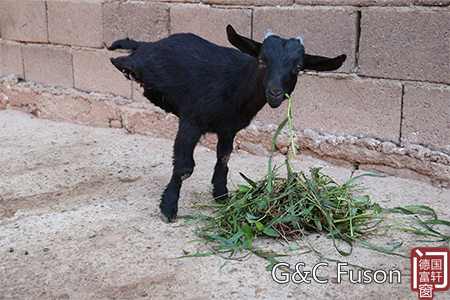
(292, 206)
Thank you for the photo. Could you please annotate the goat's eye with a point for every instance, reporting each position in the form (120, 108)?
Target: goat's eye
(262, 64)
(298, 68)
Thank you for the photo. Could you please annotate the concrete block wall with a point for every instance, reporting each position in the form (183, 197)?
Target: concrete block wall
(393, 88)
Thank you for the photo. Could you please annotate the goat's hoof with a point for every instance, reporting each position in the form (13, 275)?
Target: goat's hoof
(166, 219)
(222, 199)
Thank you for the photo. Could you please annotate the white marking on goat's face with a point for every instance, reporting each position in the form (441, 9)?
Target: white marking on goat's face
(280, 62)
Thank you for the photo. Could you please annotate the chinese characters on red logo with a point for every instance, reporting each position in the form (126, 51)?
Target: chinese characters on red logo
(430, 271)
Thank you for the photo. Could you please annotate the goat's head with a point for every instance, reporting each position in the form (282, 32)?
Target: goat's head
(280, 62)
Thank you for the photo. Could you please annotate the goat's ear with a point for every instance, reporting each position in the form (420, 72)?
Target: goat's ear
(269, 33)
(320, 63)
(244, 44)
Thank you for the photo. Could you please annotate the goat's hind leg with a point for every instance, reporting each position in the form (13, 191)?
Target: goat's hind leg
(219, 180)
(183, 166)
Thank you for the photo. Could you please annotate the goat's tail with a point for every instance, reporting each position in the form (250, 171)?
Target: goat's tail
(126, 44)
(124, 65)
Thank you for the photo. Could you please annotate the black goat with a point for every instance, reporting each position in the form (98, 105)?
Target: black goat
(214, 89)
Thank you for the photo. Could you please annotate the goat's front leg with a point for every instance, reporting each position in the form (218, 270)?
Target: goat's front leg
(219, 180)
(183, 166)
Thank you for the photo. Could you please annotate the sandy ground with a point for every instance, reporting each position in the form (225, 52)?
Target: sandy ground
(79, 219)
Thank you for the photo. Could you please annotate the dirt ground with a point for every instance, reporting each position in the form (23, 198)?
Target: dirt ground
(79, 219)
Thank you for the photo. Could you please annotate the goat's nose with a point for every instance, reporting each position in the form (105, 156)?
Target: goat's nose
(275, 92)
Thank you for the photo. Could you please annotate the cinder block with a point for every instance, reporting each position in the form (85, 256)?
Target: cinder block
(426, 116)
(210, 23)
(328, 32)
(432, 2)
(93, 72)
(355, 2)
(250, 2)
(405, 44)
(361, 107)
(48, 65)
(180, 1)
(147, 22)
(75, 23)
(23, 21)
(10, 59)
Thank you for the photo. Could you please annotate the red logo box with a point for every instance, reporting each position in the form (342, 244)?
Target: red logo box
(430, 271)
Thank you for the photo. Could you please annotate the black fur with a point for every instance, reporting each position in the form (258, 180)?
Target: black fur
(213, 89)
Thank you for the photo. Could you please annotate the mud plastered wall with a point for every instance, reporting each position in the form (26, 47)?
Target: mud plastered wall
(388, 107)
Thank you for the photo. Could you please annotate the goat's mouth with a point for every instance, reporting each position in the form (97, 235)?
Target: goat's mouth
(275, 96)
(274, 102)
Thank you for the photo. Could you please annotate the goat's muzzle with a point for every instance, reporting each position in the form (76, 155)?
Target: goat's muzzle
(275, 97)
